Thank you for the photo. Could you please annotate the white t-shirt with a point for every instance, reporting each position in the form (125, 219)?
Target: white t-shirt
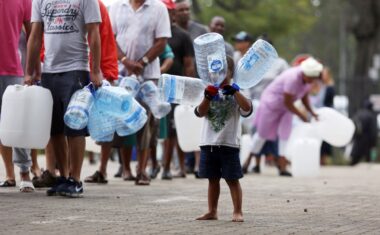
(222, 125)
(65, 34)
(136, 31)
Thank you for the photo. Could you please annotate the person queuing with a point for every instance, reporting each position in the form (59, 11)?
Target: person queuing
(275, 112)
(218, 25)
(65, 70)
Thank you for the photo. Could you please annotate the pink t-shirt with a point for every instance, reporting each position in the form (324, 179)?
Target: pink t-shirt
(12, 16)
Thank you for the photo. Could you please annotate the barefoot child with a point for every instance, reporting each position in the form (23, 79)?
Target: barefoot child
(220, 142)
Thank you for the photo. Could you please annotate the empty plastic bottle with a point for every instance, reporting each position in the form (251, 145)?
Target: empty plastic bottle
(149, 95)
(133, 121)
(131, 84)
(113, 99)
(77, 113)
(210, 57)
(254, 64)
(101, 124)
(181, 90)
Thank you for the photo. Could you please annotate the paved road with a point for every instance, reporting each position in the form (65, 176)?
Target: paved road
(342, 200)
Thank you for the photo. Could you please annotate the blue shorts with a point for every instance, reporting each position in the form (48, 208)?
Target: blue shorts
(270, 148)
(220, 162)
(62, 86)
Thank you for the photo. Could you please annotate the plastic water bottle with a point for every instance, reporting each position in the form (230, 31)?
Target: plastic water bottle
(101, 124)
(181, 90)
(77, 113)
(133, 121)
(210, 57)
(254, 64)
(149, 95)
(131, 84)
(113, 99)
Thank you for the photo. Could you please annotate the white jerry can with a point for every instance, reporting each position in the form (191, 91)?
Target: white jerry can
(26, 116)
(188, 127)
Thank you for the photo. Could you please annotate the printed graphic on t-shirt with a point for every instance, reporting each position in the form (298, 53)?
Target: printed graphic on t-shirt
(60, 16)
(220, 111)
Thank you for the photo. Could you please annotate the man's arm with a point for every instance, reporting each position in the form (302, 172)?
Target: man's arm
(94, 41)
(132, 66)
(155, 51)
(288, 101)
(188, 63)
(33, 51)
(37, 68)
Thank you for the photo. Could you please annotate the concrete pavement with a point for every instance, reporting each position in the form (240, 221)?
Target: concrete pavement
(342, 200)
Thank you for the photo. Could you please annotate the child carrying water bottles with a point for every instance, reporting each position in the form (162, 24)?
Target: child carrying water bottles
(220, 142)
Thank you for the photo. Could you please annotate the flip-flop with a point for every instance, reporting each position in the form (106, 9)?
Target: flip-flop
(8, 183)
(26, 187)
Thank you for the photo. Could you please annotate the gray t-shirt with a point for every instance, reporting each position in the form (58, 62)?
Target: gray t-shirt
(222, 123)
(229, 49)
(65, 34)
(195, 29)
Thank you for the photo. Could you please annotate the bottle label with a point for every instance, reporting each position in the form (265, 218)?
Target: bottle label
(215, 63)
(249, 60)
(177, 89)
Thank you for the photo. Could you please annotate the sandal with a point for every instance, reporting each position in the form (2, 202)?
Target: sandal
(129, 178)
(26, 187)
(142, 180)
(8, 183)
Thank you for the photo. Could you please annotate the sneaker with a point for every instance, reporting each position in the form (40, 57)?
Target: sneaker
(285, 173)
(154, 172)
(196, 174)
(119, 172)
(53, 190)
(166, 175)
(97, 177)
(256, 170)
(46, 180)
(71, 188)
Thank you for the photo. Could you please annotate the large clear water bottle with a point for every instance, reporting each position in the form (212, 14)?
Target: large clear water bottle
(77, 113)
(133, 121)
(113, 99)
(149, 95)
(101, 124)
(181, 90)
(131, 84)
(210, 57)
(254, 64)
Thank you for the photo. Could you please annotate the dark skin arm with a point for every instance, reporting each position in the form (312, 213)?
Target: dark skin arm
(166, 65)
(188, 63)
(33, 52)
(306, 103)
(288, 101)
(94, 41)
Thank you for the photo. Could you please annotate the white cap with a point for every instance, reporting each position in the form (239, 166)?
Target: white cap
(311, 67)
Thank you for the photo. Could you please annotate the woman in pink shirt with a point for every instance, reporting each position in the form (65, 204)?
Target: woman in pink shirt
(274, 115)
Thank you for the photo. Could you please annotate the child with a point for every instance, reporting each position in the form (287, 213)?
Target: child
(220, 142)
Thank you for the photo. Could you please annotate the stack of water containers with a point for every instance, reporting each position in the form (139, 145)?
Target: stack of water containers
(149, 94)
(107, 110)
(212, 68)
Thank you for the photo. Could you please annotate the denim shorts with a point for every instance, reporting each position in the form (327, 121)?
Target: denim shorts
(220, 162)
(62, 86)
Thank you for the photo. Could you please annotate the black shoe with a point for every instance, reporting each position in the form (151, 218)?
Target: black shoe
(71, 188)
(119, 172)
(97, 177)
(285, 173)
(196, 174)
(46, 180)
(256, 170)
(154, 172)
(166, 175)
(53, 190)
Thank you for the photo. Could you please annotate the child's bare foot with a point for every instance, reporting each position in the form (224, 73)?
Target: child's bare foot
(237, 217)
(208, 216)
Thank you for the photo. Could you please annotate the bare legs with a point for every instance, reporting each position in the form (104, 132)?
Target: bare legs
(6, 152)
(213, 197)
(76, 154)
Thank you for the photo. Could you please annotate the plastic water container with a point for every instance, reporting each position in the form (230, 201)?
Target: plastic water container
(189, 128)
(113, 99)
(333, 127)
(210, 57)
(133, 121)
(252, 67)
(303, 150)
(76, 116)
(131, 84)
(26, 116)
(181, 90)
(149, 95)
(101, 124)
